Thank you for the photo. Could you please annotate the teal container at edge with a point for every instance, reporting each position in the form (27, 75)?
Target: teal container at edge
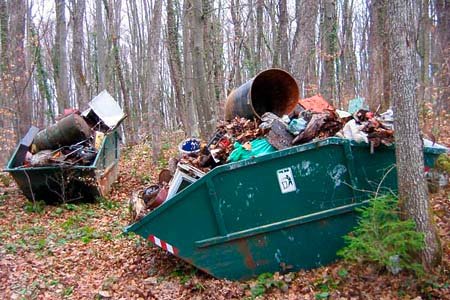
(56, 184)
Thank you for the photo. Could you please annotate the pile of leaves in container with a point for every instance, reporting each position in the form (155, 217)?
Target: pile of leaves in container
(78, 251)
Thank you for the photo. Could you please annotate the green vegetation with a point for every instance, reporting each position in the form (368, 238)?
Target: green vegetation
(3, 198)
(75, 231)
(11, 248)
(183, 274)
(146, 179)
(34, 207)
(383, 239)
(68, 291)
(264, 283)
(107, 204)
(328, 283)
(70, 206)
(5, 179)
(443, 163)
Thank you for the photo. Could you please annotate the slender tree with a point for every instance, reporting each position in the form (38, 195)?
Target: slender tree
(175, 66)
(348, 62)
(379, 81)
(304, 46)
(188, 45)
(202, 101)
(259, 32)
(443, 55)
(155, 103)
(281, 47)
(234, 77)
(329, 51)
(3, 36)
(81, 88)
(18, 75)
(60, 57)
(101, 47)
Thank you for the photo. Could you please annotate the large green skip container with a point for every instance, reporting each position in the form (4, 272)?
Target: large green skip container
(284, 211)
(55, 184)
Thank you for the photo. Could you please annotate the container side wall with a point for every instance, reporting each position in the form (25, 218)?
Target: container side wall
(252, 196)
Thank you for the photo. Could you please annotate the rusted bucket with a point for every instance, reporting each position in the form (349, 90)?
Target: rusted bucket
(272, 90)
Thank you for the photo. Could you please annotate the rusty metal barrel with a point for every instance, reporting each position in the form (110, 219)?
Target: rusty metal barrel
(272, 90)
(67, 131)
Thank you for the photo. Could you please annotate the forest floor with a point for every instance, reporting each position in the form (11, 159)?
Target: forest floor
(78, 251)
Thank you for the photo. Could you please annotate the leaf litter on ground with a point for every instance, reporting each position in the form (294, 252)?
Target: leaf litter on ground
(78, 251)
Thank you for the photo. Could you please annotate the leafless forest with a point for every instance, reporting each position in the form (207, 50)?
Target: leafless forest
(171, 64)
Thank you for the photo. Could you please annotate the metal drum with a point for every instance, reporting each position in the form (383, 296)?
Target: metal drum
(272, 90)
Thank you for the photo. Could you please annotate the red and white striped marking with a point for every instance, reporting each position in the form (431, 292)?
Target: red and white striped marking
(160, 243)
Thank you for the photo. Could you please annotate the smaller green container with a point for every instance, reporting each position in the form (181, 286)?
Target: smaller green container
(284, 211)
(54, 184)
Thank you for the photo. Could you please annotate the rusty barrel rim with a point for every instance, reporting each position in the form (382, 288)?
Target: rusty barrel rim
(272, 90)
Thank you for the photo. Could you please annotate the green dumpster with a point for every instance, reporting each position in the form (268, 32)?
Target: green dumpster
(54, 184)
(283, 211)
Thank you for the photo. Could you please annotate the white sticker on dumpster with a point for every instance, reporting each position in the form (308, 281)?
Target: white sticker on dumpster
(286, 180)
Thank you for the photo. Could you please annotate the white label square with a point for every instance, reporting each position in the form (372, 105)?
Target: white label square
(286, 180)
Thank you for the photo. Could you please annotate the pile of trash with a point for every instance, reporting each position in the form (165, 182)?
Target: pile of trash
(228, 136)
(74, 140)
(240, 138)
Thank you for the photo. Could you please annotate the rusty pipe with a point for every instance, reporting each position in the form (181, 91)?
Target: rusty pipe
(272, 90)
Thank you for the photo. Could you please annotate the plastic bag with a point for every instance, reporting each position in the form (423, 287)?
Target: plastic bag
(353, 131)
(297, 125)
(255, 148)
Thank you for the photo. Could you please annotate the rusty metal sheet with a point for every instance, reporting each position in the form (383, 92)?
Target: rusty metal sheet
(315, 103)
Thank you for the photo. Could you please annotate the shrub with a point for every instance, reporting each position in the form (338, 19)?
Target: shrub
(383, 239)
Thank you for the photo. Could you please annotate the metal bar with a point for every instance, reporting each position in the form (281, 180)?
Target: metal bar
(280, 225)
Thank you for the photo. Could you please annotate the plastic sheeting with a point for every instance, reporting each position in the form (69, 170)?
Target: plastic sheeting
(254, 148)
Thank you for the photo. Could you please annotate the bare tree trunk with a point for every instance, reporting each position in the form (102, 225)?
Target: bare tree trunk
(443, 55)
(154, 108)
(3, 37)
(29, 63)
(101, 52)
(60, 59)
(188, 69)
(42, 79)
(379, 81)
(208, 42)
(217, 41)
(81, 88)
(174, 59)
(282, 40)
(411, 182)
(18, 76)
(259, 34)
(234, 78)
(137, 72)
(214, 44)
(424, 52)
(348, 59)
(111, 14)
(304, 46)
(203, 103)
(329, 49)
